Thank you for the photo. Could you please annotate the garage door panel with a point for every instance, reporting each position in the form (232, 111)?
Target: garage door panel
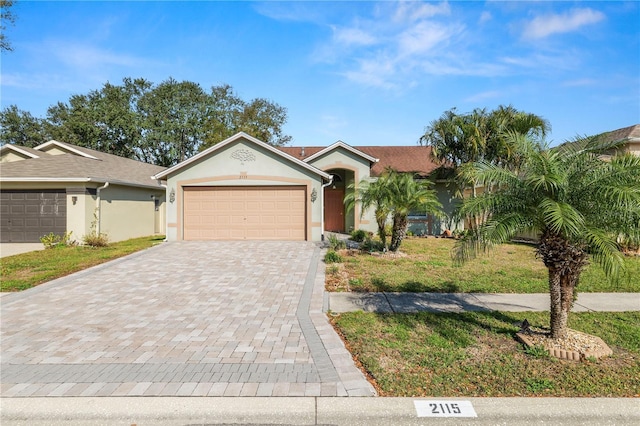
(27, 215)
(265, 213)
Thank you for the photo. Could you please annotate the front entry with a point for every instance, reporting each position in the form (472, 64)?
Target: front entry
(334, 209)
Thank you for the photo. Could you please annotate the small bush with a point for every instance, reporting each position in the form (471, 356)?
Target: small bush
(332, 270)
(52, 240)
(96, 240)
(336, 243)
(370, 245)
(358, 235)
(332, 257)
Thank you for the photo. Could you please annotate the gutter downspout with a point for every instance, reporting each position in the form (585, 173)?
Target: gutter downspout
(98, 208)
(322, 206)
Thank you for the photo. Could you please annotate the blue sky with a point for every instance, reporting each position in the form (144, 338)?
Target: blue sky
(366, 73)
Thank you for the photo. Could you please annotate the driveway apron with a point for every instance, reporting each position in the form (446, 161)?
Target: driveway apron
(180, 319)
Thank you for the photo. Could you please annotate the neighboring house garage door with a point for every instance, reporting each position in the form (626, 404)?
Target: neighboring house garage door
(245, 213)
(25, 216)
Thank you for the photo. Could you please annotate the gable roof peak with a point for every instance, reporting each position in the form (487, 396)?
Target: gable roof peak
(232, 139)
(65, 147)
(22, 150)
(340, 144)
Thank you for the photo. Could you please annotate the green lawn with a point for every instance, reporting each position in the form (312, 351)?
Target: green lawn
(510, 268)
(475, 354)
(27, 270)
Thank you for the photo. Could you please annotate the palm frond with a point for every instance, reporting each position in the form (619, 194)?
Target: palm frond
(606, 253)
(561, 218)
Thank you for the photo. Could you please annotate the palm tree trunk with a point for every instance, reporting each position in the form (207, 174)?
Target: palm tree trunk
(399, 231)
(559, 317)
(381, 219)
(565, 262)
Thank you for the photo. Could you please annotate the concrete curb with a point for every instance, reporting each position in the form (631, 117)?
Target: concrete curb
(312, 411)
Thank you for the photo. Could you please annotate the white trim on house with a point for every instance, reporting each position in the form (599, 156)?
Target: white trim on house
(81, 180)
(340, 144)
(18, 150)
(233, 139)
(64, 147)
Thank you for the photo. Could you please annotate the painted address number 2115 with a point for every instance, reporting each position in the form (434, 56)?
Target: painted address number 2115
(444, 408)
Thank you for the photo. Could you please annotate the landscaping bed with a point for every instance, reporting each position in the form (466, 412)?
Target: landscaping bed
(476, 354)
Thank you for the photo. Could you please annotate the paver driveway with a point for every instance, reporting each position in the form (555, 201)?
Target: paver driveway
(183, 318)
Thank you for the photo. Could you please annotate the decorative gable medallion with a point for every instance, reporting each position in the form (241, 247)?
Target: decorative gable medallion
(243, 155)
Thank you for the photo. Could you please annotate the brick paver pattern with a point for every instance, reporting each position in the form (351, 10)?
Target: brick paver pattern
(180, 319)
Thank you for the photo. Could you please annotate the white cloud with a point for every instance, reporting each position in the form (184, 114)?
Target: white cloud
(411, 11)
(485, 17)
(423, 37)
(87, 56)
(483, 96)
(376, 72)
(580, 82)
(546, 25)
(352, 36)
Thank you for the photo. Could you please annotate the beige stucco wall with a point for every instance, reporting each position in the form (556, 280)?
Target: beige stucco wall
(242, 163)
(633, 148)
(54, 150)
(358, 168)
(126, 212)
(10, 156)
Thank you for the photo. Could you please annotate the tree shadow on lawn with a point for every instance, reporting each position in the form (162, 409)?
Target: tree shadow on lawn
(415, 287)
(460, 307)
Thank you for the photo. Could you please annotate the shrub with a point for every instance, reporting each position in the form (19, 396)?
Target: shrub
(332, 257)
(96, 240)
(371, 245)
(332, 270)
(336, 243)
(358, 235)
(52, 240)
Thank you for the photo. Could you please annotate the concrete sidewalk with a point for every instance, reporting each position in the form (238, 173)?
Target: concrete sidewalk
(352, 411)
(460, 302)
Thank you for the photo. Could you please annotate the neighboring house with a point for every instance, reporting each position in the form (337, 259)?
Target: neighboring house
(243, 188)
(629, 135)
(57, 187)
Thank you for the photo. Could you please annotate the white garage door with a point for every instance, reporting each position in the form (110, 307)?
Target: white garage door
(245, 213)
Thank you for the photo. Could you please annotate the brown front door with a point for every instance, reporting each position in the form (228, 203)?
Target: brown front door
(334, 209)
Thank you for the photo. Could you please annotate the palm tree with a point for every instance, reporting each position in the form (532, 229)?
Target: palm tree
(371, 194)
(408, 195)
(578, 202)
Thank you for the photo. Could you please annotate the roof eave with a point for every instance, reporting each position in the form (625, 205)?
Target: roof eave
(231, 140)
(340, 144)
(17, 149)
(80, 180)
(65, 147)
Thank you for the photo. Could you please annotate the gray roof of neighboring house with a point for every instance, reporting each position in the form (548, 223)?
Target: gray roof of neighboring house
(76, 167)
(631, 133)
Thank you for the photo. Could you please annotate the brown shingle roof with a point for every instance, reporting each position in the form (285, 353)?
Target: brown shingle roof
(406, 159)
(106, 167)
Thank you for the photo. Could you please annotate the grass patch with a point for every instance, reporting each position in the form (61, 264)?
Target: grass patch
(27, 270)
(509, 268)
(475, 354)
